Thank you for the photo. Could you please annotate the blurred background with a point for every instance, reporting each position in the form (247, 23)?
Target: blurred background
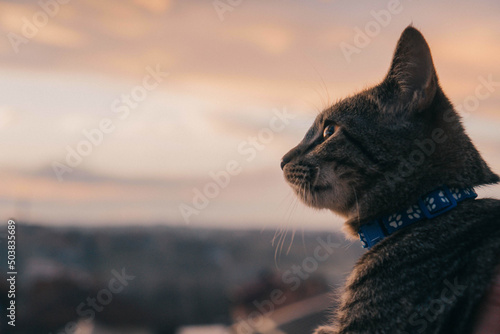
(142, 138)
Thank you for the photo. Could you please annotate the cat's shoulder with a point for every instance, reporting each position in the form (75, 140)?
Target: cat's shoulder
(486, 211)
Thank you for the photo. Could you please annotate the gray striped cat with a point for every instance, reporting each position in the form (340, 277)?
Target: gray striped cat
(396, 162)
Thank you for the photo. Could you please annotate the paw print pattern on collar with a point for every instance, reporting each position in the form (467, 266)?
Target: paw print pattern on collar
(429, 206)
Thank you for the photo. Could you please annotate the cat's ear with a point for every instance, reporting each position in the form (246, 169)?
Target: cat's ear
(412, 70)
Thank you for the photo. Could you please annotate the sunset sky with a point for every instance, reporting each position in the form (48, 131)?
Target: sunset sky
(229, 73)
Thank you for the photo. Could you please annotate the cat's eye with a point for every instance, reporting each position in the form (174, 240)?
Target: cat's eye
(329, 130)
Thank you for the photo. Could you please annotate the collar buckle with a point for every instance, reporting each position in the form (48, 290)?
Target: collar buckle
(437, 202)
(372, 233)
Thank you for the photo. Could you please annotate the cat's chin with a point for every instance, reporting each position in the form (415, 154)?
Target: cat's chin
(322, 197)
(313, 185)
(312, 196)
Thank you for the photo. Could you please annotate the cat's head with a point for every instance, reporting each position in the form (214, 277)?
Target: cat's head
(379, 150)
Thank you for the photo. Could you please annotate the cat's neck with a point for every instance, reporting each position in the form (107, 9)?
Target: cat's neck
(428, 207)
(434, 203)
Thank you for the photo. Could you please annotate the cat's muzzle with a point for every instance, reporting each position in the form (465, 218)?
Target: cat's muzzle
(301, 176)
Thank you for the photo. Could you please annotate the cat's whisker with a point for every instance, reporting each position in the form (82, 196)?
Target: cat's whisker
(303, 240)
(321, 99)
(348, 245)
(291, 242)
(323, 86)
(282, 239)
(393, 143)
(276, 233)
(290, 195)
(357, 203)
(280, 243)
(280, 232)
(292, 210)
(316, 177)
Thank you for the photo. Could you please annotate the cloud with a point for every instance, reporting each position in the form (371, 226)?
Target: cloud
(155, 6)
(226, 78)
(60, 36)
(273, 39)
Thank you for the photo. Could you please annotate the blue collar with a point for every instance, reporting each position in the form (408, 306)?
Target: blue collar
(429, 206)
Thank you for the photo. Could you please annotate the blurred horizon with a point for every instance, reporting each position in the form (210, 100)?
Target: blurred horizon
(227, 80)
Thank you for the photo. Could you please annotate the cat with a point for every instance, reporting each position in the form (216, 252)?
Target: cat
(395, 161)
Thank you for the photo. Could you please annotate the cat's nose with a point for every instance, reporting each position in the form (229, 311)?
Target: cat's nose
(283, 163)
(286, 159)
(289, 156)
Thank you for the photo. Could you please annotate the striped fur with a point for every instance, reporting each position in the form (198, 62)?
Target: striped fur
(393, 143)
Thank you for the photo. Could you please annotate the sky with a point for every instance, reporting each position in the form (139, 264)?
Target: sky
(171, 93)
